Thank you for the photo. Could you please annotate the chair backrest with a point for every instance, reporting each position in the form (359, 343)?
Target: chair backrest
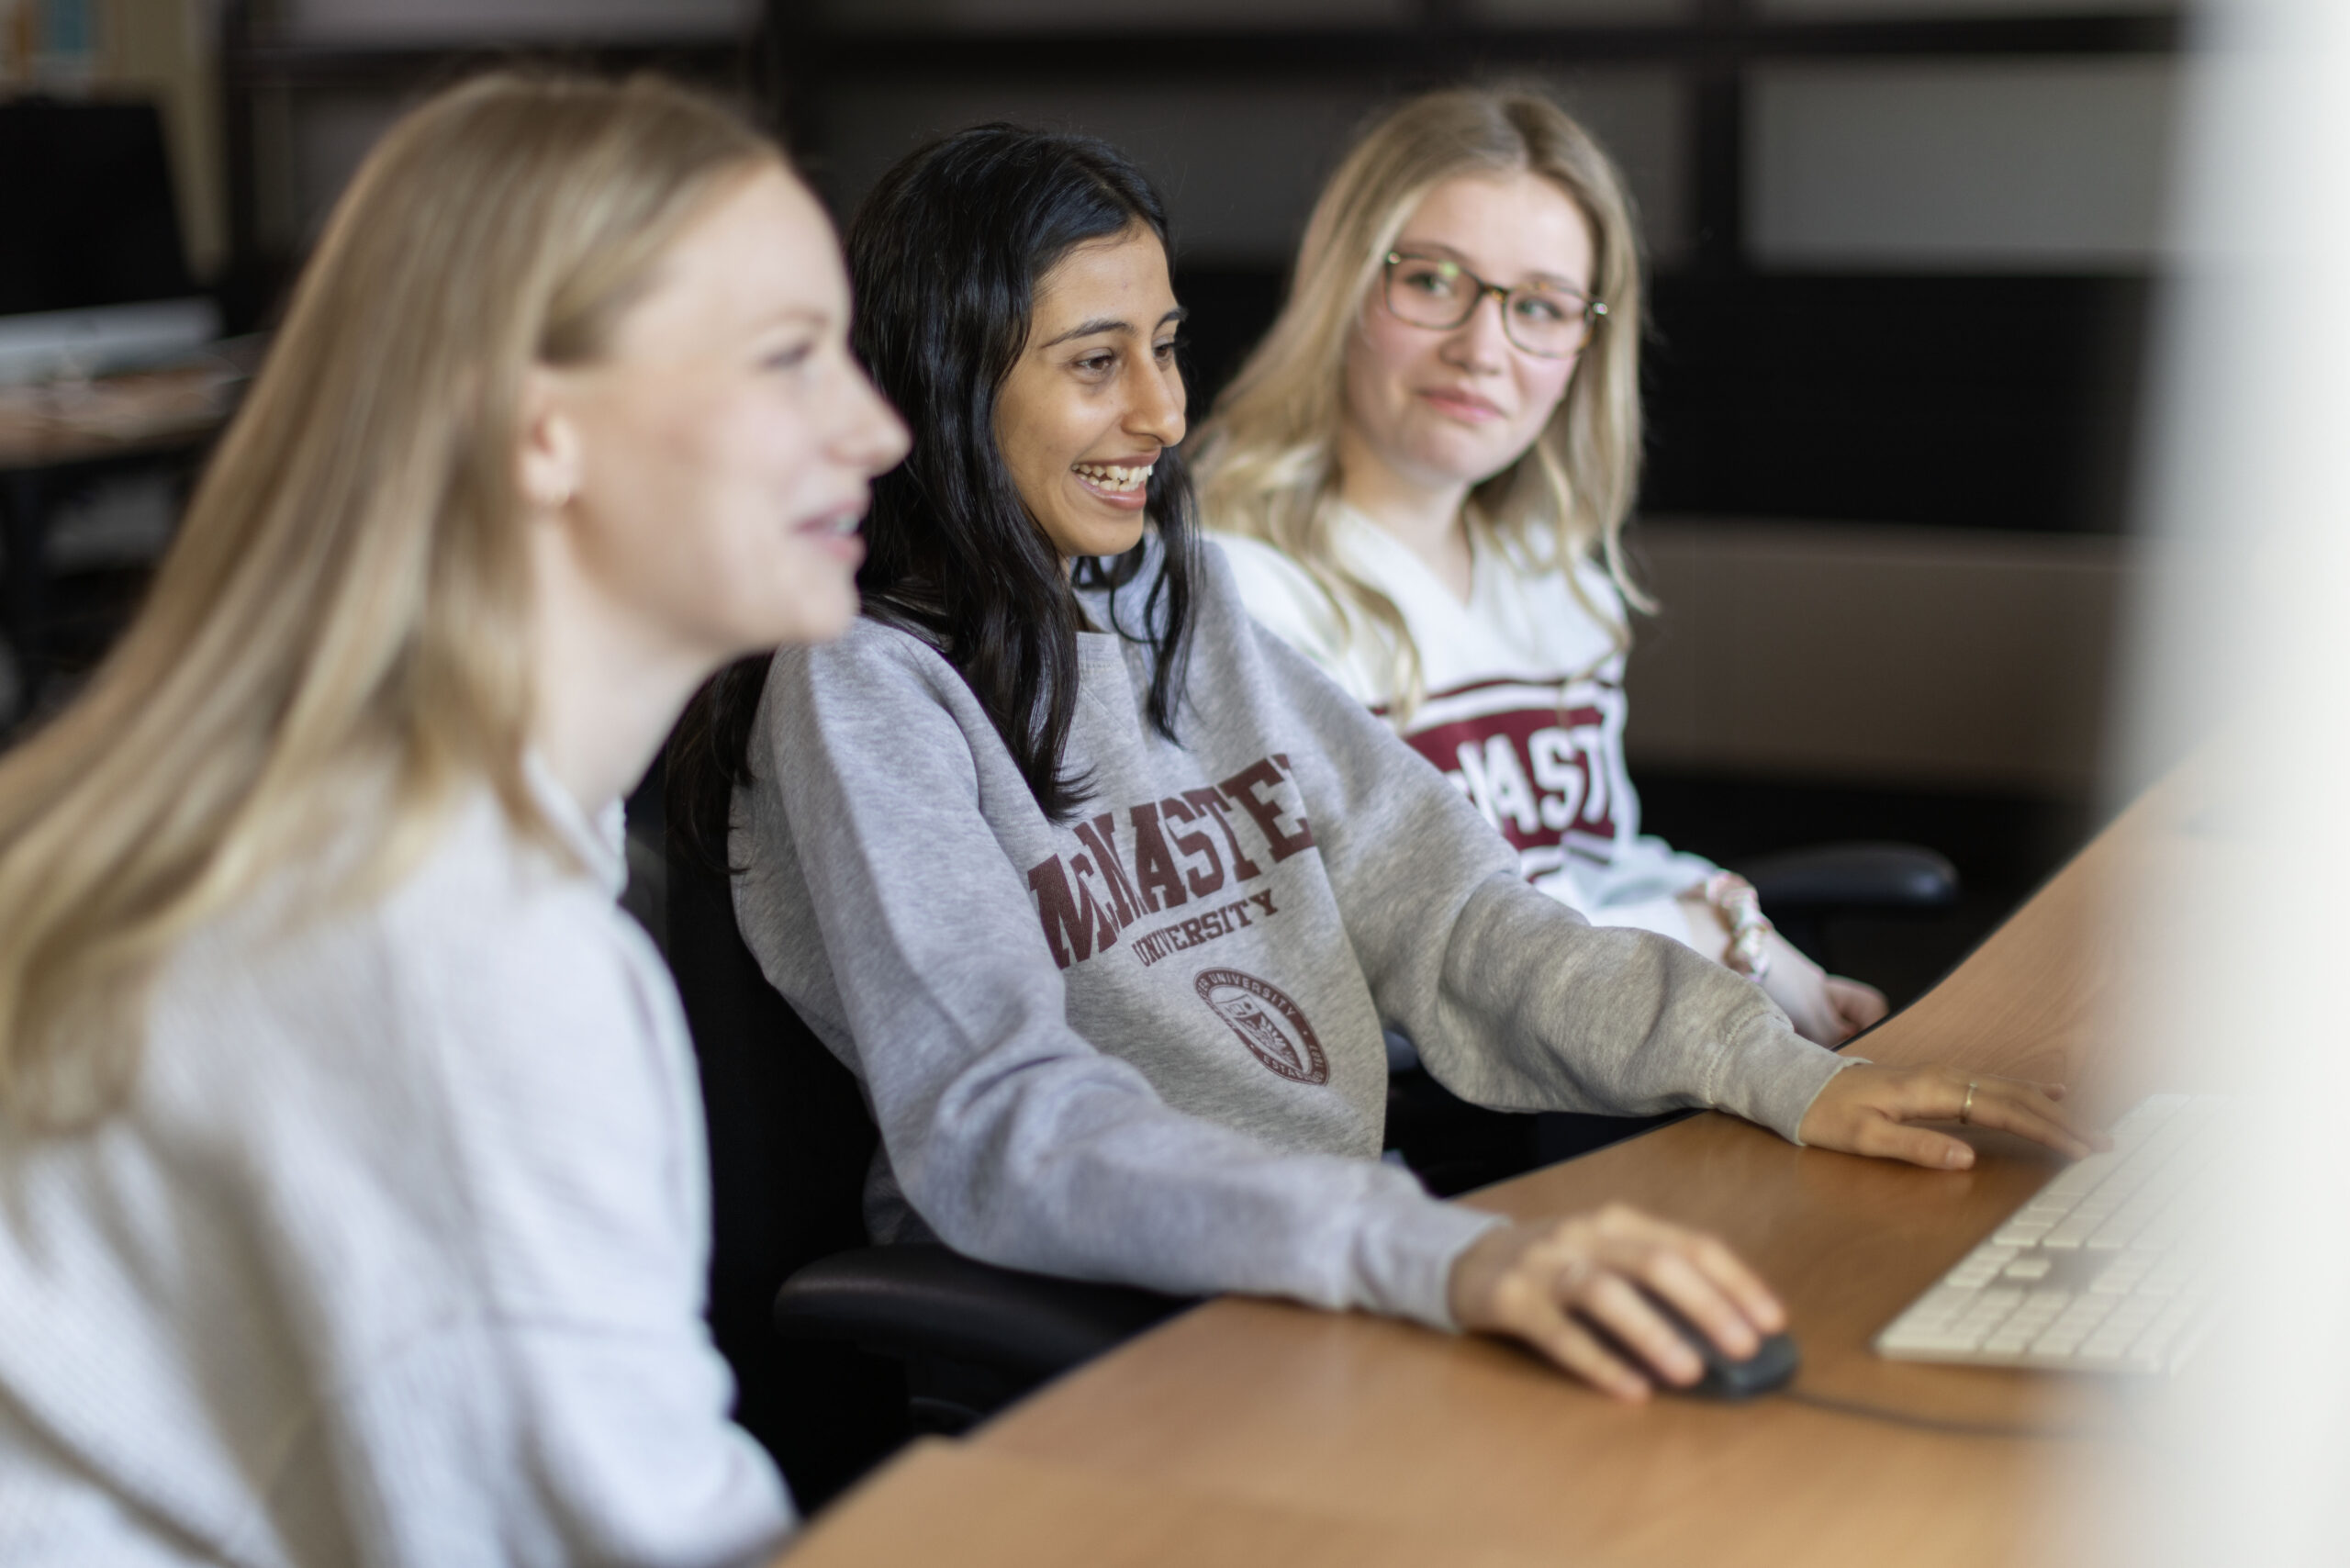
(790, 1141)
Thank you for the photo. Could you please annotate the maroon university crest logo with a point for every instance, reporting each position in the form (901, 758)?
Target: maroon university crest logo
(1268, 1021)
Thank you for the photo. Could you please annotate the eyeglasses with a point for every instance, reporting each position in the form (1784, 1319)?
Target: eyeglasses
(1546, 322)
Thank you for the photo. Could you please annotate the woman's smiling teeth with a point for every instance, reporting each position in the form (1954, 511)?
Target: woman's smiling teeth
(1110, 476)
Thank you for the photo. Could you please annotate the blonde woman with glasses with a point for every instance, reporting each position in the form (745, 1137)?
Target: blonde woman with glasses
(1421, 479)
(353, 1203)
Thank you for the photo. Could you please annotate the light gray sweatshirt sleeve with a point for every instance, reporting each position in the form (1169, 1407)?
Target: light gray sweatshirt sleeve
(1514, 1000)
(1015, 1139)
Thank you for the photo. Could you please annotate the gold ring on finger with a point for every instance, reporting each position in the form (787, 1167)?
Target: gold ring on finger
(1966, 1106)
(1571, 1278)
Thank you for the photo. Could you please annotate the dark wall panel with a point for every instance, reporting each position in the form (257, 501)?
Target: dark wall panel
(1964, 402)
(1230, 309)
(1970, 402)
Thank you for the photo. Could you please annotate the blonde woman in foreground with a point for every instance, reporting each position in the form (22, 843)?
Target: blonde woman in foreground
(352, 1195)
(1427, 497)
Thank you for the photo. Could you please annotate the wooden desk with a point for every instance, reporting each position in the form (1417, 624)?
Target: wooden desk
(51, 424)
(976, 1504)
(1375, 1423)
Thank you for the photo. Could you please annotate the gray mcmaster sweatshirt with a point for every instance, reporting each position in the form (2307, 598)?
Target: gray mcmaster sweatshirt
(1146, 1043)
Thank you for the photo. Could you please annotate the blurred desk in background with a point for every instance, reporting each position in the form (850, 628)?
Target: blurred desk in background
(52, 423)
(57, 437)
(1377, 1426)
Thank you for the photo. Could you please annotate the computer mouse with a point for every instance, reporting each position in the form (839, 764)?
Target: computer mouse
(1772, 1365)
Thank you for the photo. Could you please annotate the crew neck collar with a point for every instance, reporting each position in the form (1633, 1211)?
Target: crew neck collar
(599, 841)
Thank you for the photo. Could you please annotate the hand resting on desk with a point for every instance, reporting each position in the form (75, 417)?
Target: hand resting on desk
(1545, 1281)
(1867, 1109)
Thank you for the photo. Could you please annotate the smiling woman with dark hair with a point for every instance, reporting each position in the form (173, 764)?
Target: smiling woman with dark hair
(954, 555)
(958, 556)
(1106, 895)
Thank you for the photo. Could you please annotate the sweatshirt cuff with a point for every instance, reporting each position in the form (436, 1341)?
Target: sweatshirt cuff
(1773, 1075)
(1406, 1255)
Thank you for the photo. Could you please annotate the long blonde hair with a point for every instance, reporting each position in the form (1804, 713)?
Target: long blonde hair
(1268, 461)
(342, 625)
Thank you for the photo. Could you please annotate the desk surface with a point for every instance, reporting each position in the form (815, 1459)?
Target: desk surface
(974, 1504)
(73, 422)
(1366, 1422)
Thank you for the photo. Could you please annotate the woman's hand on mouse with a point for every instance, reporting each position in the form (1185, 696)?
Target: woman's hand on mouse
(1866, 1109)
(1530, 1280)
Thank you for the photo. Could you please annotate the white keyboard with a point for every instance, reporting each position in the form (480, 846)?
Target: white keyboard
(2108, 1269)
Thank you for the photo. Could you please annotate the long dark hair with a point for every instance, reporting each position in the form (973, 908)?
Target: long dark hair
(945, 255)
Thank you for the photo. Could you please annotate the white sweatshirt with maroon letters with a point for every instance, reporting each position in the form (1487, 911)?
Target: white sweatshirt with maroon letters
(1146, 1043)
(1524, 711)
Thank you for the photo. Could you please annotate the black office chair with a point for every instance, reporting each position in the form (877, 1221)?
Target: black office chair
(841, 1351)
(789, 1141)
(1802, 889)
(970, 1337)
